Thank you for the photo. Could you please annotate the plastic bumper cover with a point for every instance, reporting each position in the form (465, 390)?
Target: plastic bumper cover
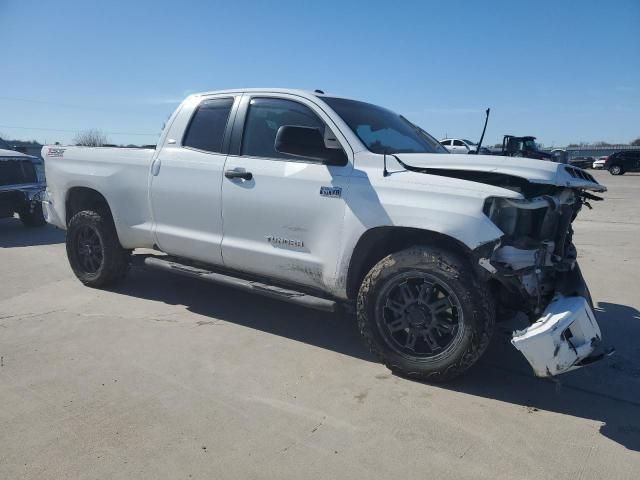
(565, 337)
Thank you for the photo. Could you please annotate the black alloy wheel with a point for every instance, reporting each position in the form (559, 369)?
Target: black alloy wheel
(89, 248)
(421, 317)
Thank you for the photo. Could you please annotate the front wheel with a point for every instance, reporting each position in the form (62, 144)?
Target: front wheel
(616, 170)
(94, 251)
(424, 314)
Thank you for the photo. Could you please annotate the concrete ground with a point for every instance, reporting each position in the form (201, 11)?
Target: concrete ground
(167, 377)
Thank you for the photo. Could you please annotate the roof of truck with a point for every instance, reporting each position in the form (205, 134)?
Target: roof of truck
(294, 91)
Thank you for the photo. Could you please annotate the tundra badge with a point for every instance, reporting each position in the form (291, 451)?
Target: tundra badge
(284, 242)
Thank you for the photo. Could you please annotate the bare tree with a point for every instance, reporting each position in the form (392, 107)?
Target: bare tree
(636, 142)
(91, 138)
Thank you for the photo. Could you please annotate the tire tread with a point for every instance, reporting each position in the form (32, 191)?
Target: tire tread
(116, 258)
(483, 310)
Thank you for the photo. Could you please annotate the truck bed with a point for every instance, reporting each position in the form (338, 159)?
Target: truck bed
(120, 175)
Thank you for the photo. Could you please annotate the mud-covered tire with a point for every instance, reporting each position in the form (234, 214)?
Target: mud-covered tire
(32, 217)
(475, 326)
(114, 263)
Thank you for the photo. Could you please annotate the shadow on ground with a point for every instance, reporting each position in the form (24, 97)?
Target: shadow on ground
(607, 392)
(14, 234)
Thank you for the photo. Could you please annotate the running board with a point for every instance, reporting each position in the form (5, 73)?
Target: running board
(263, 289)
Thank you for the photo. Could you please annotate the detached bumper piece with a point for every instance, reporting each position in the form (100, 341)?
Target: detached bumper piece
(565, 337)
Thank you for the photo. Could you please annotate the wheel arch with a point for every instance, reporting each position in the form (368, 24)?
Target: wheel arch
(85, 198)
(378, 242)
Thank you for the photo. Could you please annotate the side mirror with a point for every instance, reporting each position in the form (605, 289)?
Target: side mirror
(307, 142)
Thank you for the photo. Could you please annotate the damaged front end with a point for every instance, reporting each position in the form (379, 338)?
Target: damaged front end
(535, 271)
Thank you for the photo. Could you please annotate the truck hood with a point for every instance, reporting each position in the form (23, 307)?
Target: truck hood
(13, 155)
(533, 171)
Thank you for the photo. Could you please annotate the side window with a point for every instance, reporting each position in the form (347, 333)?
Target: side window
(265, 117)
(458, 143)
(208, 124)
(446, 143)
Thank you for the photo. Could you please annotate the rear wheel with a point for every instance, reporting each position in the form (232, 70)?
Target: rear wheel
(424, 314)
(94, 251)
(32, 217)
(616, 170)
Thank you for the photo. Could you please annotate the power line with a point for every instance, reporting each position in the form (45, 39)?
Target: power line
(70, 105)
(76, 131)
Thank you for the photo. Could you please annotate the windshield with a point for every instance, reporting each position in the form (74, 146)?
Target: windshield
(469, 142)
(383, 131)
(530, 145)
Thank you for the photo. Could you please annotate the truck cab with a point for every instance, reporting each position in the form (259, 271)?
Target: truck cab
(527, 147)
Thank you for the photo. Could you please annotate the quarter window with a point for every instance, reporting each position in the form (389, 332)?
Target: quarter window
(207, 127)
(265, 117)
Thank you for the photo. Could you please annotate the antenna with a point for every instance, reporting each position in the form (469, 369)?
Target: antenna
(487, 112)
(385, 172)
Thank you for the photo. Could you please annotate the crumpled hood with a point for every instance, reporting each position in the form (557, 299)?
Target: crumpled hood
(534, 171)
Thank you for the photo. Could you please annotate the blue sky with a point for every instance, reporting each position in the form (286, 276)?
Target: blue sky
(564, 71)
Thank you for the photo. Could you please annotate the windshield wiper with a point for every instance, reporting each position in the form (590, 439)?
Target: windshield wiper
(424, 134)
(415, 127)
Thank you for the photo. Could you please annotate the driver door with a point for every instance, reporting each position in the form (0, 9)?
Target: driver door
(283, 219)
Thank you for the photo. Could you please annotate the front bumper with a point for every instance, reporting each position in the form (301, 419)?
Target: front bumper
(565, 337)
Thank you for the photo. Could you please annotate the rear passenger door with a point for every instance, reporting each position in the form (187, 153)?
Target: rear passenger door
(284, 220)
(186, 179)
(446, 144)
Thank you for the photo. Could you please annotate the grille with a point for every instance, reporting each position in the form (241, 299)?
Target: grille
(579, 173)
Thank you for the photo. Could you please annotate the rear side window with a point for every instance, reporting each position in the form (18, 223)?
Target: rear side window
(446, 143)
(207, 127)
(265, 117)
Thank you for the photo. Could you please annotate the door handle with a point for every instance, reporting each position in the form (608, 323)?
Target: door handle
(238, 174)
(155, 167)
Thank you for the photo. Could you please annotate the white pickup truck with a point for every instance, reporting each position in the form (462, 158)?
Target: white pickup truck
(325, 201)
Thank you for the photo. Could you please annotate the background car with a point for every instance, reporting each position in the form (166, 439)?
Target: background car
(621, 162)
(582, 162)
(599, 163)
(21, 187)
(458, 145)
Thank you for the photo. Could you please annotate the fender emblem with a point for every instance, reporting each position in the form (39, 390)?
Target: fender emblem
(332, 192)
